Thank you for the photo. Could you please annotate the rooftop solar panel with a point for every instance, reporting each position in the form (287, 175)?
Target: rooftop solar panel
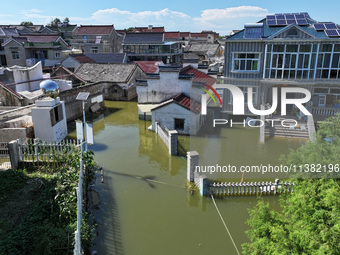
(301, 22)
(330, 26)
(306, 14)
(299, 16)
(291, 21)
(332, 33)
(319, 26)
(271, 22)
(281, 22)
(290, 16)
(253, 32)
(280, 16)
(270, 17)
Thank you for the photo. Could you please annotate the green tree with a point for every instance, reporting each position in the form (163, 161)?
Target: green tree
(310, 220)
(130, 29)
(67, 20)
(26, 23)
(54, 22)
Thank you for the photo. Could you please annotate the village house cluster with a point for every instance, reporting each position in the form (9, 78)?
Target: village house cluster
(169, 73)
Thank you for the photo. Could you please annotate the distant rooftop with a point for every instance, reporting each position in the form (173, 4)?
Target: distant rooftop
(94, 29)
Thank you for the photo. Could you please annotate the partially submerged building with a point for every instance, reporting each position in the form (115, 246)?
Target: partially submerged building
(119, 79)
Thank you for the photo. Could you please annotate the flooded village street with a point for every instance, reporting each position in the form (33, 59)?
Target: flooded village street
(158, 215)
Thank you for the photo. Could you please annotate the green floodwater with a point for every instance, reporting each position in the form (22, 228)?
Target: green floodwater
(137, 217)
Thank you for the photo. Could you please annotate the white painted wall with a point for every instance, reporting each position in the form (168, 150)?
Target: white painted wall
(42, 123)
(28, 74)
(167, 114)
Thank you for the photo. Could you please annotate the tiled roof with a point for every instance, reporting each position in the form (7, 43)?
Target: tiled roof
(198, 75)
(93, 72)
(82, 58)
(198, 34)
(143, 38)
(149, 66)
(207, 48)
(107, 58)
(184, 34)
(42, 38)
(184, 101)
(188, 103)
(4, 86)
(172, 35)
(146, 29)
(190, 55)
(95, 30)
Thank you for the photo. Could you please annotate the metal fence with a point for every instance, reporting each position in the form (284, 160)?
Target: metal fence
(4, 156)
(34, 150)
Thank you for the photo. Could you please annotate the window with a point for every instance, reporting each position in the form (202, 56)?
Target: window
(56, 114)
(292, 33)
(57, 54)
(94, 49)
(15, 55)
(179, 123)
(246, 62)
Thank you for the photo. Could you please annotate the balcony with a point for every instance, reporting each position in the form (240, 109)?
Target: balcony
(326, 111)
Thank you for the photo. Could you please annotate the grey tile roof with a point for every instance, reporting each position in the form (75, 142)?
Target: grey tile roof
(133, 38)
(94, 72)
(205, 48)
(107, 58)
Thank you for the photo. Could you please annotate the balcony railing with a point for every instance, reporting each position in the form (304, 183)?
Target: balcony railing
(329, 111)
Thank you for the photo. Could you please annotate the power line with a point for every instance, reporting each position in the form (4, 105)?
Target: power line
(225, 225)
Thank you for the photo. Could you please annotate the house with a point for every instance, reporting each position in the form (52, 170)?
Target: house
(119, 79)
(180, 113)
(97, 39)
(5, 34)
(285, 50)
(206, 36)
(32, 48)
(65, 30)
(73, 61)
(167, 84)
(206, 52)
(151, 46)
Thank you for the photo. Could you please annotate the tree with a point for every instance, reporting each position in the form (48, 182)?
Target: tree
(67, 20)
(310, 220)
(130, 29)
(54, 22)
(26, 23)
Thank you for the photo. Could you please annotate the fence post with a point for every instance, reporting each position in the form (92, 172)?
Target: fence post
(156, 127)
(192, 162)
(13, 151)
(173, 141)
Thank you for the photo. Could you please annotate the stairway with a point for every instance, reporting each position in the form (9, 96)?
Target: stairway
(277, 130)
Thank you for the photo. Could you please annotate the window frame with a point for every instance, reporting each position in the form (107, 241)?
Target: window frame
(246, 59)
